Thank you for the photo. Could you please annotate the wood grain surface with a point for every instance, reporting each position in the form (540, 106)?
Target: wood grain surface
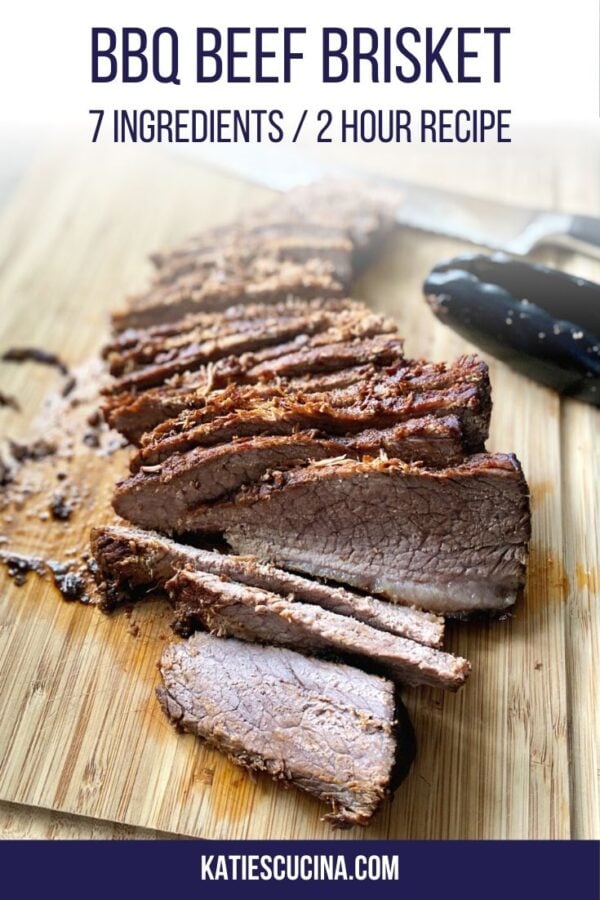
(513, 755)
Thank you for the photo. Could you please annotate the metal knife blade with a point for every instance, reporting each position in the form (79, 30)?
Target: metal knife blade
(486, 223)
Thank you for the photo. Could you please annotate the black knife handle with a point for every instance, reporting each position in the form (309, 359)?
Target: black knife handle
(585, 228)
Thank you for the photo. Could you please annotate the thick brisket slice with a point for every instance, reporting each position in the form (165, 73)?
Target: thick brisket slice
(162, 495)
(448, 540)
(131, 561)
(252, 614)
(330, 729)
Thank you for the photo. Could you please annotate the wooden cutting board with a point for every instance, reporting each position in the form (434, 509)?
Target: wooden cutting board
(513, 755)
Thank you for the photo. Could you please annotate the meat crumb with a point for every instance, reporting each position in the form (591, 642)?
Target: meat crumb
(60, 507)
(9, 401)
(39, 449)
(6, 475)
(19, 566)
(69, 386)
(37, 355)
(70, 584)
(91, 439)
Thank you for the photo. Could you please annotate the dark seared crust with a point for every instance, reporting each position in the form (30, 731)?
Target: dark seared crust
(361, 744)
(448, 540)
(186, 353)
(131, 562)
(413, 391)
(138, 346)
(225, 607)
(132, 414)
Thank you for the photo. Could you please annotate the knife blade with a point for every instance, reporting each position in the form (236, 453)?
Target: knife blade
(486, 223)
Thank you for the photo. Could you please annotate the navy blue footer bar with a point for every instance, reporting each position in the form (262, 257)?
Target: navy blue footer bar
(404, 870)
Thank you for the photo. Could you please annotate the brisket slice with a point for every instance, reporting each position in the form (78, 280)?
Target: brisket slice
(382, 402)
(163, 495)
(269, 281)
(134, 339)
(237, 336)
(284, 242)
(336, 732)
(226, 608)
(342, 225)
(382, 387)
(259, 344)
(131, 562)
(449, 540)
(132, 414)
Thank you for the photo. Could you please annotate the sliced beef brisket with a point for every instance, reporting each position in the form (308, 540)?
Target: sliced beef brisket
(225, 607)
(273, 412)
(131, 412)
(134, 414)
(137, 340)
(388, 398)
(448, 540)
(235, 337)
(131, 562)
(258, 705)
(205, 474)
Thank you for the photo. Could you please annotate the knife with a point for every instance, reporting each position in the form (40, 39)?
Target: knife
(499, 226)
